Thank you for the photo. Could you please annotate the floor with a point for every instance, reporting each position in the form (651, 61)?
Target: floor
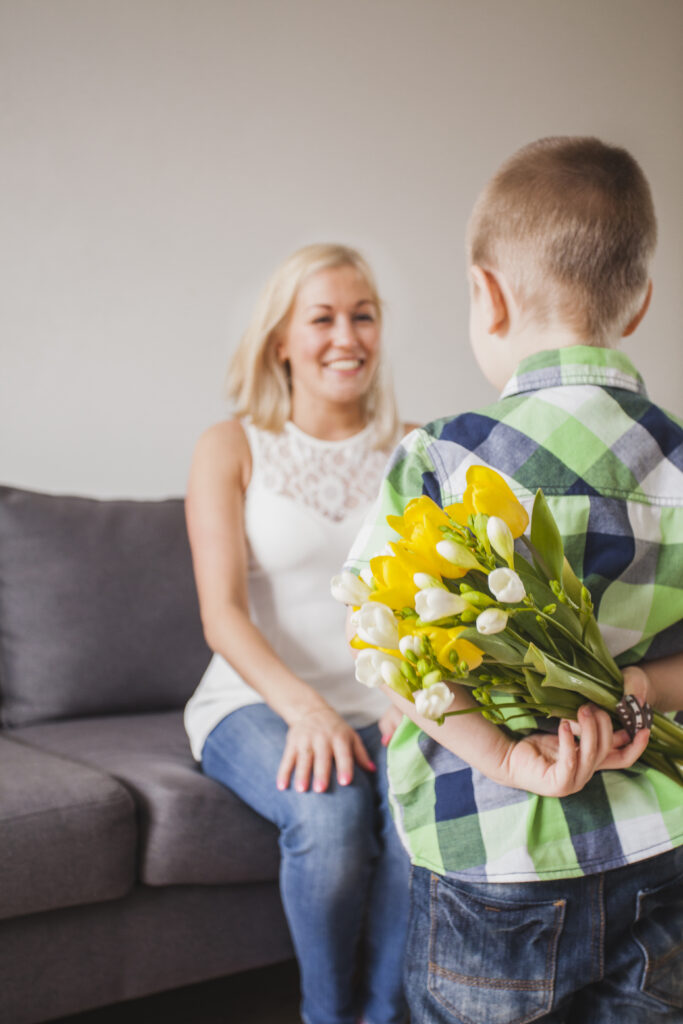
(266, 996)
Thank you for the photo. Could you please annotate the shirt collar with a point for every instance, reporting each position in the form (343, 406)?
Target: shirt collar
(576, 364)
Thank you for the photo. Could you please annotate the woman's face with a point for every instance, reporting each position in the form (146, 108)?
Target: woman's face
(332, 338)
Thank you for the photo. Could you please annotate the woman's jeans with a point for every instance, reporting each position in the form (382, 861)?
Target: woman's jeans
(603, 949)
(344, 876)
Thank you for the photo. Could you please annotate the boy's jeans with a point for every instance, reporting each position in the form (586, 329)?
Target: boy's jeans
(344, 874)
(603, 949)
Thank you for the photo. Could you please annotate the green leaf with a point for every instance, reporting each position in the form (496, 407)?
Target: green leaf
(546, 539)
(534, 658)
(521, 716)
(595, 641)
(552, 701)
(494, 646)
(533, 683)
(564, 677)
(542, 594)
(571, 583)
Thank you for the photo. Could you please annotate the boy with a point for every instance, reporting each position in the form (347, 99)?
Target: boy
(566, 906)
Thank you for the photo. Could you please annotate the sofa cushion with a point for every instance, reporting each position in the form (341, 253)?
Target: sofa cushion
(67, 833)
(192, 829)
(98, 611)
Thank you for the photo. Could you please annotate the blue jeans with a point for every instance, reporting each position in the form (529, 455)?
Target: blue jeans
(344, 876)
(603, 949)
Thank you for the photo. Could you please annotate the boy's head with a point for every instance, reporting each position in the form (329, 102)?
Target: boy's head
(570, 225)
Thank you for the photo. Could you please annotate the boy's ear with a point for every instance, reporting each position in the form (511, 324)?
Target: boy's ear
(491, 296)
(631, 326)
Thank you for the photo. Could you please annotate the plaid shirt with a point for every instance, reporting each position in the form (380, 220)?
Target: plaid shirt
(576, 422)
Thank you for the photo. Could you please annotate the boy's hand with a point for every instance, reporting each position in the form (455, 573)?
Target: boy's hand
(638, 684)
(563, 764)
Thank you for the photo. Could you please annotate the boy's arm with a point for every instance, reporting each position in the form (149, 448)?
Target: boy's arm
(542, 763)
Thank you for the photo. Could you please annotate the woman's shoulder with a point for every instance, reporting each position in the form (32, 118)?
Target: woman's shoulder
(224, 434)
(223, 448)
(404, 429)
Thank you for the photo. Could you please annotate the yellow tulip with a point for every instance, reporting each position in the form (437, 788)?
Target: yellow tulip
(417, 513)
(460, 513)
(444, 641)
(488, 494)
(393, 576)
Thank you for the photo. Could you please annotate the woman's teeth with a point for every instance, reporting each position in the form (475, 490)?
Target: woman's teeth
(344, 364)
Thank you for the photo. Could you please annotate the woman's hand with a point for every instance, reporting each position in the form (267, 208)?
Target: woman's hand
(389, 723)
(561, 765)
(314, 741)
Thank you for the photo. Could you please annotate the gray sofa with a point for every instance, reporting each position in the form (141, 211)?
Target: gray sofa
(123, 870)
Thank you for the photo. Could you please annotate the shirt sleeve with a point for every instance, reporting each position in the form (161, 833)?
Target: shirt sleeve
(407, 472)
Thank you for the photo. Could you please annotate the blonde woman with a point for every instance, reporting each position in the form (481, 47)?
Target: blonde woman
(275, 497)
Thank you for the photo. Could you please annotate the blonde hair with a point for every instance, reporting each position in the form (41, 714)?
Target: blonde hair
(571, 223)
(259, 383)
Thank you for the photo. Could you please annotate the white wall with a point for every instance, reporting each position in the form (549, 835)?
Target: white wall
(159, 157)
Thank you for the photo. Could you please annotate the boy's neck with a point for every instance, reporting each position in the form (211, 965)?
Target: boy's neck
(531, 338)
(506, 354)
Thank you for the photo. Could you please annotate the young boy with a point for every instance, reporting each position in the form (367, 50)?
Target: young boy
(566, 906)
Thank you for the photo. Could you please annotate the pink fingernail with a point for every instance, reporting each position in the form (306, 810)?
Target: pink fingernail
(300, 788)
(344, 779)
(318, 787)
(281, 785)
(372, 766)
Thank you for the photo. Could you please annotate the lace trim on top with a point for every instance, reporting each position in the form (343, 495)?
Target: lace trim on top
(331, 477)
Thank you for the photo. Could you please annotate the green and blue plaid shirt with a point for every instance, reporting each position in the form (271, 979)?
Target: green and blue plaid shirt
(576, 422)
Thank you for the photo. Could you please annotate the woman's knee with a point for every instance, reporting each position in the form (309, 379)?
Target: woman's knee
(336, 826)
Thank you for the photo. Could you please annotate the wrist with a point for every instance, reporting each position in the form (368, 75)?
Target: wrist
(503, 772)
(298, 709)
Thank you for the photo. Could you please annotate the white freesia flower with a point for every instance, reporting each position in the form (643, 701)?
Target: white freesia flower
(436, 603)
(492, 620)
(432, 702)
(370, 667)
(458, 554)
(505, 585)
(391, 673)
(375, 624)
(410, 643)
(423, 580)
(500, 538)
(349, 589)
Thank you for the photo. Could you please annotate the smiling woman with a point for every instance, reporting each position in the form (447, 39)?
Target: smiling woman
(274, 499)
(260, 379)
(331, 346)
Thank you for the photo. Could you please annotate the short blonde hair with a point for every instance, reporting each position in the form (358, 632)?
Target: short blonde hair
(571, 223)
(258, 382)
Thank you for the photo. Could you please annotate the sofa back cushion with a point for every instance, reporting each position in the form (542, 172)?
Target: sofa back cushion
(98, 610)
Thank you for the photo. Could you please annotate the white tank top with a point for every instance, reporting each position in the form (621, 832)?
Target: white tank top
(304, 505)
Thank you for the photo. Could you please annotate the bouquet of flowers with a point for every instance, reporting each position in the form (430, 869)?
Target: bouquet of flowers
(453, 602)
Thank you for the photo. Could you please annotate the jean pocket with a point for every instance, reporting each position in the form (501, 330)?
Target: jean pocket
(658, 930)
(491, 959)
